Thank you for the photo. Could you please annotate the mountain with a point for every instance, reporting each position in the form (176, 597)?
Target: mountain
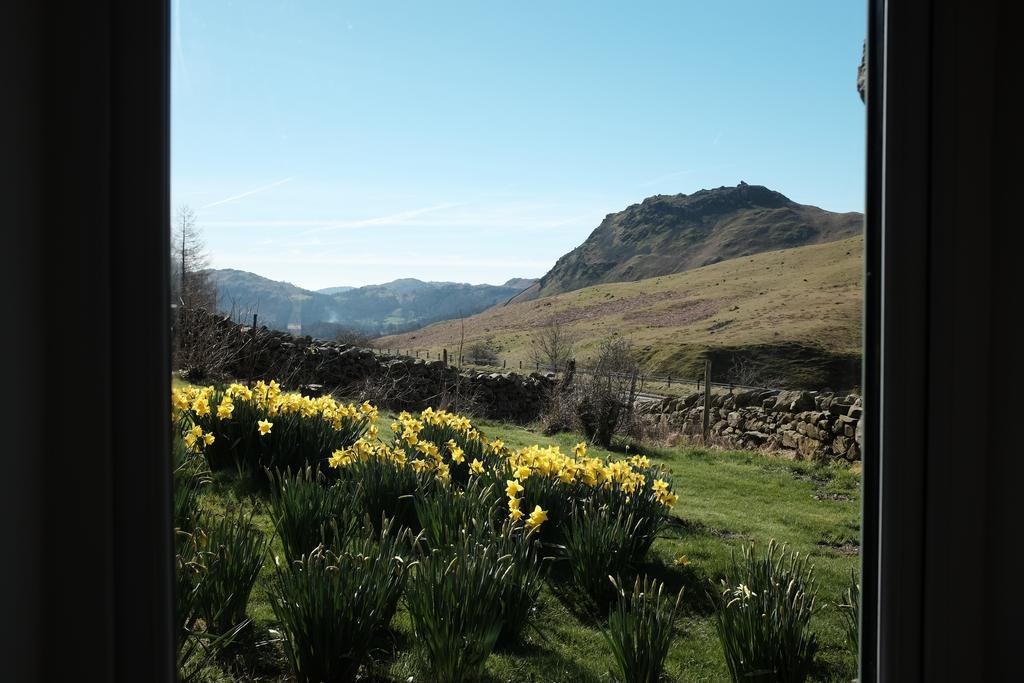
(794, 315)
(374, 309)
(667, 234)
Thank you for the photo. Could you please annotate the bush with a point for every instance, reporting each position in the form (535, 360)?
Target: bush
(763, 616)
(332, 607)
(851, 614)
(455, 600)
(232, 551)
(483, 352)
(307, 511)
(639, 630)
(598, 401)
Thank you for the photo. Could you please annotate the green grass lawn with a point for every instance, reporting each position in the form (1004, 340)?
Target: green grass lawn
(725, 499)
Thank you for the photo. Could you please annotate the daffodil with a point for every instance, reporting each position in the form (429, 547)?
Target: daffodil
(476, 467)
(201, 406)
(265, 427)
(513, 488)
(536, 518)
(225, 409)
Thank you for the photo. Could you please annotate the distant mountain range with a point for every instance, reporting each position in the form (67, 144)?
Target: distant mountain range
(732, 273)
(388, 308)
(667, 234)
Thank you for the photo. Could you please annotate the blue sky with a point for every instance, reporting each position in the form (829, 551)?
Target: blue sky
(347, 143)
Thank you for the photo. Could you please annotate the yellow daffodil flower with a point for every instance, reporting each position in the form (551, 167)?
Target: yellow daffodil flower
(536, 518)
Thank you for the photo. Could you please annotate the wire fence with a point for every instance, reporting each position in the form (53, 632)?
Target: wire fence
(646, 382)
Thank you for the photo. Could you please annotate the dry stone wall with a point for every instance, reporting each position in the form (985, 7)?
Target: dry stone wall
(316, 366)
(797, 424)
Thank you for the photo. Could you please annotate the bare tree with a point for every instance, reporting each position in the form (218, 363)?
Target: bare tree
(747, 372)
(599, 402)
(196, 341)
(552, 345)
(190, 283)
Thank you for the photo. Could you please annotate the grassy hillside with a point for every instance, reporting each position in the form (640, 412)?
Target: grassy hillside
(726, 499)
(668, 234)
(795, 313)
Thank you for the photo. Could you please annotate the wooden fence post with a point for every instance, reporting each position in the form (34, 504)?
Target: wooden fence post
(445, 358)
(707, 400)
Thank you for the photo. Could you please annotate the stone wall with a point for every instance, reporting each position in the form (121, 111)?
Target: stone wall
(316, 366)
(795, 424)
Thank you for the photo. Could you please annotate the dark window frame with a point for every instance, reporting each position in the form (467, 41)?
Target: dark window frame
(85, 182)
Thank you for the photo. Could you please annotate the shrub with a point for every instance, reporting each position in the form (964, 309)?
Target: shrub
(851, 614)
(598, 401)
(455, 600)
(640, 630)
(232, 550)
(332, 607)
(763, 616)
(483, 352)
(307, 511)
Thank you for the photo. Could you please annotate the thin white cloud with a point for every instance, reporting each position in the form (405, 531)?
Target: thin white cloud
(299, 257)
(495, 219)
(247, 194)
(400, 218)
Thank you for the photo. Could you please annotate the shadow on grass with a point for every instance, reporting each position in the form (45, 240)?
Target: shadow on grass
(255, 654)
(582, 606)
(694, 583)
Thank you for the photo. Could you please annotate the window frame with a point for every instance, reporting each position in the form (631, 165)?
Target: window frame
(87, 159)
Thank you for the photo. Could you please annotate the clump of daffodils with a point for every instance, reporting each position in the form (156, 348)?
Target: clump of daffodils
(264, 426)
(434, 443)
(270, 401)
